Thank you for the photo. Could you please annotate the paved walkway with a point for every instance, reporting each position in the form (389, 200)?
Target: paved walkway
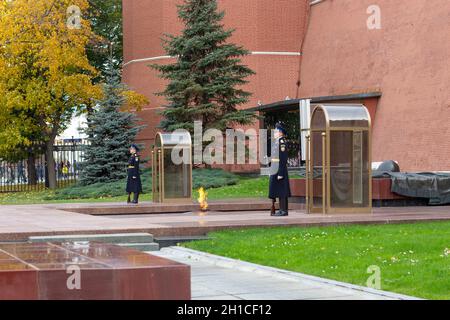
(20, 221)
(219, 278)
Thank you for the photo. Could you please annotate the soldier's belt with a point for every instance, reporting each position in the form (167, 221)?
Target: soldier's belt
(130, 167)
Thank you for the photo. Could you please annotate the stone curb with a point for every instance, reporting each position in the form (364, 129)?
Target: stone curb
(274, 272)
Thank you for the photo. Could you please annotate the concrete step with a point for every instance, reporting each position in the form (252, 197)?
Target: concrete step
(109, 238)
(153, 246)
(159, 208)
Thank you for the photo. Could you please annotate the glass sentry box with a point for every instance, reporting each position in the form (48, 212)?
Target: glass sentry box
(338, 168)
(172, 167)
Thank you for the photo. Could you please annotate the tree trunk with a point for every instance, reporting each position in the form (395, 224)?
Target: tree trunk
(32, 175)
(50, 165)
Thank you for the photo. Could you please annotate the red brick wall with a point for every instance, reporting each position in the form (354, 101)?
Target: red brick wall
(261, 25)
(408, 60)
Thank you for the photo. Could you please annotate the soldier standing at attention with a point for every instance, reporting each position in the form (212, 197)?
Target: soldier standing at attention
(279, 179)
(134, 184)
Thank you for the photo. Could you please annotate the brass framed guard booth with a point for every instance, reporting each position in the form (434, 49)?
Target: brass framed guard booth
(172, 177)
(338, 168)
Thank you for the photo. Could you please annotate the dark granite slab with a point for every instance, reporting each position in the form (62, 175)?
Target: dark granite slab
(42, 271)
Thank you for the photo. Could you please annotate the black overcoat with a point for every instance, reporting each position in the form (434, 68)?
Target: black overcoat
(279, 188)
(134, 176)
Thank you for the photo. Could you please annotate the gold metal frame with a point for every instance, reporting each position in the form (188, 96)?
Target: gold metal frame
(157, 154)
(326, 178)
(153, 174)
(325, 174)
(160, 176)
(307, 173)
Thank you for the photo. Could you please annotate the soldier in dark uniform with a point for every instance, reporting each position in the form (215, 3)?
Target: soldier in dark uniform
(134, 184)
(279, 179)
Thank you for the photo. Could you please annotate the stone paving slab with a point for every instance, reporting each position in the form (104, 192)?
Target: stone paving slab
(187, 206)
(18, 222)
(220, 278)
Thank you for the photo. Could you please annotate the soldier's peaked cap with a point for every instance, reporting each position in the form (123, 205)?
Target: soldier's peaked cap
(279, 126)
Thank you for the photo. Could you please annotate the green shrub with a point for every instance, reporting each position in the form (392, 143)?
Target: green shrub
(100, 190)
(207, 178)
(213, 178)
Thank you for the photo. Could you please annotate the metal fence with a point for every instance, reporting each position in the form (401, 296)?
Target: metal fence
(26, 169)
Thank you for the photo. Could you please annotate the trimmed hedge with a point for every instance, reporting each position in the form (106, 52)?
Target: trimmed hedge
(207, 178)
(213, 178)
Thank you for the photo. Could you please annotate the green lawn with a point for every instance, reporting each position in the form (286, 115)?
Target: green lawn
(414, 259)
(245, 188)
(220, 184)
(37, 197)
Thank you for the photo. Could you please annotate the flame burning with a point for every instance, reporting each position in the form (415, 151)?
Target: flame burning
(202, 196)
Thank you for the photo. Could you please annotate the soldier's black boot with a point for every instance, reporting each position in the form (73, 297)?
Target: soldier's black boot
(286, 205)
(129, 198)
(136, 198)
(283, 208)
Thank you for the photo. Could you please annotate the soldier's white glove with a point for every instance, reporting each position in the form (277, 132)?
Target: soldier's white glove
(280, 177)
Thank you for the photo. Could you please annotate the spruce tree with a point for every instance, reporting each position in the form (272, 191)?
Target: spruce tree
(110, 132)
(205, 83)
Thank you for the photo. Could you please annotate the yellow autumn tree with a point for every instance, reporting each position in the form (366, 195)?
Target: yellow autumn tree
(45, 75)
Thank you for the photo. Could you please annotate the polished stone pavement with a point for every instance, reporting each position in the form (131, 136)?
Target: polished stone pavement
(219, 278)
(18, 222)
(213, 278)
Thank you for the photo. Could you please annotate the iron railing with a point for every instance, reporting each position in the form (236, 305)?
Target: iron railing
(26, 169)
